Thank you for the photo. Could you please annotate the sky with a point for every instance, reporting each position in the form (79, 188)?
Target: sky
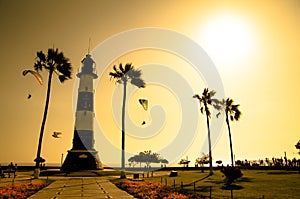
(252, 44)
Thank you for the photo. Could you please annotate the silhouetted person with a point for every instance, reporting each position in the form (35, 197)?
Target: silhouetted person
(15, 169)
(10, 168)
(1, 172)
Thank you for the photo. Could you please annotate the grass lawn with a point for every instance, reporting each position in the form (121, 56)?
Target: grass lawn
(253, 184)
(23, 177)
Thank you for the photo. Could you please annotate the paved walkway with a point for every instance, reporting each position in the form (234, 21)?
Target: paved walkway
(72, 186)
(81, 187)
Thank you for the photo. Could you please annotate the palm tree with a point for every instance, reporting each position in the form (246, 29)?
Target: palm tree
(205, 101)
(123, 75)
(232, 113)
(54, 62)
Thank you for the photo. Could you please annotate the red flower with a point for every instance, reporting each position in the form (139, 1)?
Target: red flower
(21, 191)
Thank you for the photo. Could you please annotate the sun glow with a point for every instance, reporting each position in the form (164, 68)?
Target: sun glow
(227, 38)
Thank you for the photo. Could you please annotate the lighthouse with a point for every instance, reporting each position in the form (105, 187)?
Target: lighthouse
(83, 155)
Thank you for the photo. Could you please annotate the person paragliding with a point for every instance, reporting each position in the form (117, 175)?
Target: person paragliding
(36, 75)
(56, 134)
(144, 103)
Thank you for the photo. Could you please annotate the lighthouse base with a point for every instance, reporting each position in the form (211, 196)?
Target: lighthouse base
(77, 160)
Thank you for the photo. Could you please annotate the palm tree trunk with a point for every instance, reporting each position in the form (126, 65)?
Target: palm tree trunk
(123, 132)
(209, 146)
(38, 156)
(230, 141)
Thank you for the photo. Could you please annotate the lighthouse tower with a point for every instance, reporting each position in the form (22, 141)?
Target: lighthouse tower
(83, 156)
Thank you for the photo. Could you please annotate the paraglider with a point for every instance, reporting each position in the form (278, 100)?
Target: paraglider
(144, 103)
(29, 96)
(35, 74)
(56, 134)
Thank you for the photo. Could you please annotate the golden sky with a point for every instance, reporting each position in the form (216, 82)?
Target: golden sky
(253, 44)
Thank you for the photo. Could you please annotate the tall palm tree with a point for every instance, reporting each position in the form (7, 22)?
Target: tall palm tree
(232, 113)
(205, 101)
(123, 75)
(53, 62)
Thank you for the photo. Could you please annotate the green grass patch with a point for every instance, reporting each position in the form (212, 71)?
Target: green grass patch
(253, 184)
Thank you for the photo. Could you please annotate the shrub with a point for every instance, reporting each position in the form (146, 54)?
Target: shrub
(149, 190)
(231, 173)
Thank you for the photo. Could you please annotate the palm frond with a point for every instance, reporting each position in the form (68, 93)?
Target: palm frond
(197, 96)
(115, 69)
(59, 58)
(115, 75)
(119, 73)
(38, 66)
(121, 68)
(138, 82)
(229, 102)
(217, 107)
(52, 53)
(40, 61)
(41, 56)
(128, 67)
(234, 107)
(201, 109)
(237, 114)
(62, 78)
(209, 101)
(212, 93)
(205, 92)
(64, 68)
(134, 73)
(232, 110)
(216, 101)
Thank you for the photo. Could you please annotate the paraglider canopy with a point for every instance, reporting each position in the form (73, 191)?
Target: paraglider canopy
(56, 134)
(144, 103)
(35, 74)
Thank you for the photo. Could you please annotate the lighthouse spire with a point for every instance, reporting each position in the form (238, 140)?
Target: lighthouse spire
(89, 45)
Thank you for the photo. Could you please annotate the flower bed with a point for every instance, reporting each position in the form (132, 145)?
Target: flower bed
(20, 191)
(150, 190)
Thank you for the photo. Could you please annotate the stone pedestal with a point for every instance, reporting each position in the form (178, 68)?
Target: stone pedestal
(81, 160)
